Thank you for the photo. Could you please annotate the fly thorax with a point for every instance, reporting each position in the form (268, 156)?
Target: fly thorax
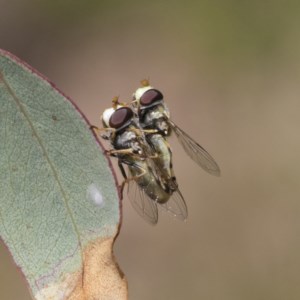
(151, 117)
(166, 110)
(162, 126)
(125, 140)
(156, 119)
(162, 119)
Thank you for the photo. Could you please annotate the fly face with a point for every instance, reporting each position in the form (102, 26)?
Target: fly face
(146, 188)
(153, 114)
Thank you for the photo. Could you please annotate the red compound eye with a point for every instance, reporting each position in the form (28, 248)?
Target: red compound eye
(150, 97)
(120, 117)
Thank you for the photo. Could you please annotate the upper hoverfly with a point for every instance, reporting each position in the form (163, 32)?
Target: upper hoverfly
(154, 115)
(147, 186)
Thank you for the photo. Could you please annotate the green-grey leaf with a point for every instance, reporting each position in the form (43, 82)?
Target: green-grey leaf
(57, 191)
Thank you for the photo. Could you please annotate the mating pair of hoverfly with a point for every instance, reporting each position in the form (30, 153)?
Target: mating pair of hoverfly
(138, 133)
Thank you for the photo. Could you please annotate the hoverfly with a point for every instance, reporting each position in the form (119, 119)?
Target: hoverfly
(154, 115)
(147, 187)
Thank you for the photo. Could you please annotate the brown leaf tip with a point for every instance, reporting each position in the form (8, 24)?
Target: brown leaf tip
(101, 278)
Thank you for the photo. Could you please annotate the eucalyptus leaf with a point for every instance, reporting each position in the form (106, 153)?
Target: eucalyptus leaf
(59, 205)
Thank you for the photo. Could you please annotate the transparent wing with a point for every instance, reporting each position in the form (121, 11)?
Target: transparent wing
(142, 203)
(176, 206)
(196, 152)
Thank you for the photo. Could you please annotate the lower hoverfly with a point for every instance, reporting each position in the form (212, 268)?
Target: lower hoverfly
(147, 187)
(154, 115)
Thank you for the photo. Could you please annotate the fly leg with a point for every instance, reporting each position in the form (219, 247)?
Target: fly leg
(114, 152)
(150, 130)
(98, 130)
(154, 156)
(138, 131)
(121, 167)
(126, 178)
(105, 133)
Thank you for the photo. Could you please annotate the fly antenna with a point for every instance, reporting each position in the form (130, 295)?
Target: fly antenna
(115, 102)
(145, 82)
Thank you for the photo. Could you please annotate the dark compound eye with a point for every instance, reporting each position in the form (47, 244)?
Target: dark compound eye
(120, 117)
(150, 97)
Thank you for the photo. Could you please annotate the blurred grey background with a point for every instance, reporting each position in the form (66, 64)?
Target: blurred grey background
(229, 71)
